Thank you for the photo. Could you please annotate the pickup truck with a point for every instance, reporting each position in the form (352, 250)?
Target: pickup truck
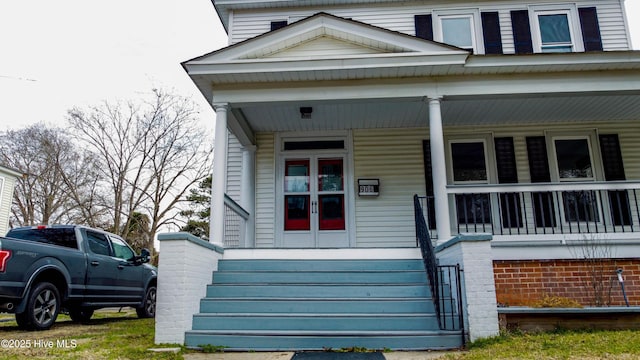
(72, 268)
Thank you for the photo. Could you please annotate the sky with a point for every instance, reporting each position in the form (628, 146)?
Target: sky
(55, 55)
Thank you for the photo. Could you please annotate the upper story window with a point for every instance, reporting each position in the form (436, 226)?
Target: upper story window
(459, 28)
(556, 30)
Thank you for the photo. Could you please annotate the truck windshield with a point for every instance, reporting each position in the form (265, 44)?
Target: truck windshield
(62, 237)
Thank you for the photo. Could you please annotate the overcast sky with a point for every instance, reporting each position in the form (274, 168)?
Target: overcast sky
(56, 54)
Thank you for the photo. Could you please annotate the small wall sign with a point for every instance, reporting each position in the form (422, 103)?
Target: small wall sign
(368, 187)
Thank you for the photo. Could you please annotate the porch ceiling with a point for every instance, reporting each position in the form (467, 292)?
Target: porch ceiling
(336, 115)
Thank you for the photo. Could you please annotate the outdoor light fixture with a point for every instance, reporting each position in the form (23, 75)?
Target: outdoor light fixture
(305, 112)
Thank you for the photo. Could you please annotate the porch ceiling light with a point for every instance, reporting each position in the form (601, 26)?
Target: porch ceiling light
(305, 112)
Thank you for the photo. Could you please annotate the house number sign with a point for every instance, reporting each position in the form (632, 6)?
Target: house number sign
(368, 187)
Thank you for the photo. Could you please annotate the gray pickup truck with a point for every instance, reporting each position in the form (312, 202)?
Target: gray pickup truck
(46, 269)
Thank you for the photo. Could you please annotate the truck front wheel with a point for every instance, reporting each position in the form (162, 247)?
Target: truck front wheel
(148, 308)
(43, 306)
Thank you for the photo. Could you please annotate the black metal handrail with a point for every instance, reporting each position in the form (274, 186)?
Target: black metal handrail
(428, 254)
(442, 278)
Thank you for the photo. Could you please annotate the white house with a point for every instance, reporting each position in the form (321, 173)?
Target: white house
(516, 123)
(8, 179)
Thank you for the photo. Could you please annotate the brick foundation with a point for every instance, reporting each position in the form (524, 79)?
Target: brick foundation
(523, 282)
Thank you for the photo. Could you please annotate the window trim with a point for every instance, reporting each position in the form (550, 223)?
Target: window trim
(487, 141)
(592, 139)
(575, 30)
(476, 26)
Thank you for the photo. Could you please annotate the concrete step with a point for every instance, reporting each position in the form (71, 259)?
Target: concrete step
(318, 290)
(317, 322)
(397, 305)
(321, 265)
(320, 277)
(322, 340)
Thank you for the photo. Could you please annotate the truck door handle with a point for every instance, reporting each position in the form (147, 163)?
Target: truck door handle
(95, 263)
(120, 266)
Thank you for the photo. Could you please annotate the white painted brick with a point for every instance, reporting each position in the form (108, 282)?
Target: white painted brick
(185, 270)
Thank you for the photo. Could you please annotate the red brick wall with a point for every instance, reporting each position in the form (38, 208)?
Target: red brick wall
(523, 282)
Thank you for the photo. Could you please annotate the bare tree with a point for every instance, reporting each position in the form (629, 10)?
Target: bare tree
(150, 153)
(58, 178)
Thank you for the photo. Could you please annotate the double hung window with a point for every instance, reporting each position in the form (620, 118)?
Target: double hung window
(469, 166)
(461, 29)
(555, 30)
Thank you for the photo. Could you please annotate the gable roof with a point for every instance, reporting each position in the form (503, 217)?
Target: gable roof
(319, 41)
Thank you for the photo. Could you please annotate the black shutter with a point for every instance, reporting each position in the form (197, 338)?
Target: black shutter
(521, 31)
(542, 202)
(590, 29)
(614, 171)
(538, 160)
(275, 25)
(424, 27)
(506, 160)
(491, 33)
(612, 157)
(510, 212)
(428, 180)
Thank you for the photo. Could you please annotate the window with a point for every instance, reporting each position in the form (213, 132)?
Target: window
(469, 166)
(459, 29)
(98, 243)
(121, 250)
(555, 30)
(574, 163)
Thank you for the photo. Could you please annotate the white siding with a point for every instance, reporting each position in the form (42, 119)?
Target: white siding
(395, 157)
(246, 24)
(323, 46)
(7, 184)
(234, 168)
(265, 190)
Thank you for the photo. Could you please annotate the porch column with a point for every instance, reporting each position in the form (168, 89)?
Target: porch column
(216, 222)
(248, 193)
(439, 170)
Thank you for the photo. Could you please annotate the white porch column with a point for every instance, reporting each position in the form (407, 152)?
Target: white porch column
(216, 222)
(248, 193)
(439, 170)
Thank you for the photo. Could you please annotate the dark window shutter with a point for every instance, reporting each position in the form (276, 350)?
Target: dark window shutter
(275, 25)
(619, 206)
(538, 160)
(590, 29)
(521, 31)
(424, 27)
(510, 212)
(428, 180)
(506, 160)
(612, 157)
(491, 33)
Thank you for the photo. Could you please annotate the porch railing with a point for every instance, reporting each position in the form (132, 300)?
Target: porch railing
(550, 208)
(235, 218)
(443, 279)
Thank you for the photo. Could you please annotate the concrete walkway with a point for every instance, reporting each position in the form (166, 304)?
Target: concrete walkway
(394, 355)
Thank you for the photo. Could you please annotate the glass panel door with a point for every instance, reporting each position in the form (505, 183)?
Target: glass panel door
(314, 202)
(297, 195)
(330, 194)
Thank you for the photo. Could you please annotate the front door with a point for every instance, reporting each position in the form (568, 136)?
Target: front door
(314, 202)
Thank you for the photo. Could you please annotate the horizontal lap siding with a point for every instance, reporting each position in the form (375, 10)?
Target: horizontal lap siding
(7, 185)
(265, 190)
(234, 168)
(395, 157)
(247, 24)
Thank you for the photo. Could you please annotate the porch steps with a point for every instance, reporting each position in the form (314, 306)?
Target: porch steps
(267, 305)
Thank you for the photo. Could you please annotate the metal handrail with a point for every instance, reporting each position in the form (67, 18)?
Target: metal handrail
(436, 274)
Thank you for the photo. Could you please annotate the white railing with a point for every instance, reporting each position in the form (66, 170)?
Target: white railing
(235, 219)
(549, 208)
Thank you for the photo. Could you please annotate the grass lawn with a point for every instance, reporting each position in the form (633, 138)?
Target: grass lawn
(109, 335)
(556, 345)
(121, 335)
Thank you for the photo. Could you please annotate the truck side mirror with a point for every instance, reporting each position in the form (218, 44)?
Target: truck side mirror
(145, 256)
